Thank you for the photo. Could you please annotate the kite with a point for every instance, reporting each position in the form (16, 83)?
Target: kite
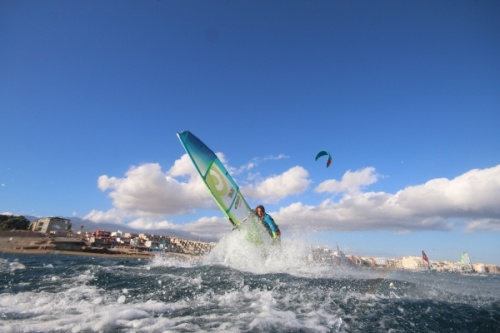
(325, 153)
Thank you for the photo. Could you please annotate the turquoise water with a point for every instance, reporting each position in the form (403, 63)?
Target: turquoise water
(231, 291)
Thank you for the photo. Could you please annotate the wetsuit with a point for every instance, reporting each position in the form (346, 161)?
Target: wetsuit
(271, 227)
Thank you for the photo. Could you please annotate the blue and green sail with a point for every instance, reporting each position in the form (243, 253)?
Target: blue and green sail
(221, 185)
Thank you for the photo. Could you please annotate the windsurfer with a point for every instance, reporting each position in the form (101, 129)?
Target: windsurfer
(268, 223)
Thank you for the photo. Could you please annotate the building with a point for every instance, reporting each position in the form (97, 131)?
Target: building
(381, 262)
(51, 225)
(479, 268)
(413, 263)
(493, 269)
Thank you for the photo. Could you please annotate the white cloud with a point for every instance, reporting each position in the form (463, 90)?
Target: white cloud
(252, 164)
(113, 215)
(475, 193)
(275, 157)
(147, 198)
(484, 225)
(146, 190)
(146, 195)
(370, 211)
(439, 204)
(211, 227)
(204, 228)
(351, 182)
(147, 223)
(292, 182)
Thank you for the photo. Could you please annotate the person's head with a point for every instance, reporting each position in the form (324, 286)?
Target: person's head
(260, 210)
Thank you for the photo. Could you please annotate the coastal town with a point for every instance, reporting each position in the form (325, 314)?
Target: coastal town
(55, 234)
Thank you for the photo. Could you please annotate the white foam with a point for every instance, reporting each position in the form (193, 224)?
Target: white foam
(290, 257)
(263, 304)
(171, 260)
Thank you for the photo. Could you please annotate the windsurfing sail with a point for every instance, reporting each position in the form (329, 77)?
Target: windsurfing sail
(221, 185)
(466, 263)
(424, 257)
(325, 153)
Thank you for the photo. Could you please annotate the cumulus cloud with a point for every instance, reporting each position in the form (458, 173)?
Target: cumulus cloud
(148, 198)
(113, 215)
(204, 228)
(439, 204)
(146, 194)
(483, 225)
(351, 182)
(147, 190)
(148, 223)
(292, 182)
(212, 227)
(475, 193)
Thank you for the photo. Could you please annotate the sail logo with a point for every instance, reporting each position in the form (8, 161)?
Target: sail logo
(217, 182)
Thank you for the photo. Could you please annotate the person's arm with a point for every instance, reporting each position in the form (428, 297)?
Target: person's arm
(272, 225)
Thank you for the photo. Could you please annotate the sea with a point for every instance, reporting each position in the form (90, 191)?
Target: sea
(237, 287)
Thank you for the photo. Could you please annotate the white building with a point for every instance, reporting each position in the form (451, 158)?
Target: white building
(48, 224)
(413, 262)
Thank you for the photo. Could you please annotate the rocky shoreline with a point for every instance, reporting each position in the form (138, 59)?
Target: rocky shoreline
(27, 242)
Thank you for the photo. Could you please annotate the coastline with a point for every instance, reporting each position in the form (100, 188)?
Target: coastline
(33, 243)
(21, 242)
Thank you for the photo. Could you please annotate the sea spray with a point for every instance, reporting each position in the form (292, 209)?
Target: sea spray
(222, 293)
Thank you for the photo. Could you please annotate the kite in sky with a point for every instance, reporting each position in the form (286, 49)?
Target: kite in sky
(325, 153)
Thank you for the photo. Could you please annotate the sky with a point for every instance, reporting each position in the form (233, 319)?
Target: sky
(405, 95)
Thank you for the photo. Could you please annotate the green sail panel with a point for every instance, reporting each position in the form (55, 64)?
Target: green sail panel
(219, 182)
(466, 263)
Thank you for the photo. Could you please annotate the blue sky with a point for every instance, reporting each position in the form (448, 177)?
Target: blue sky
(404, 94)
